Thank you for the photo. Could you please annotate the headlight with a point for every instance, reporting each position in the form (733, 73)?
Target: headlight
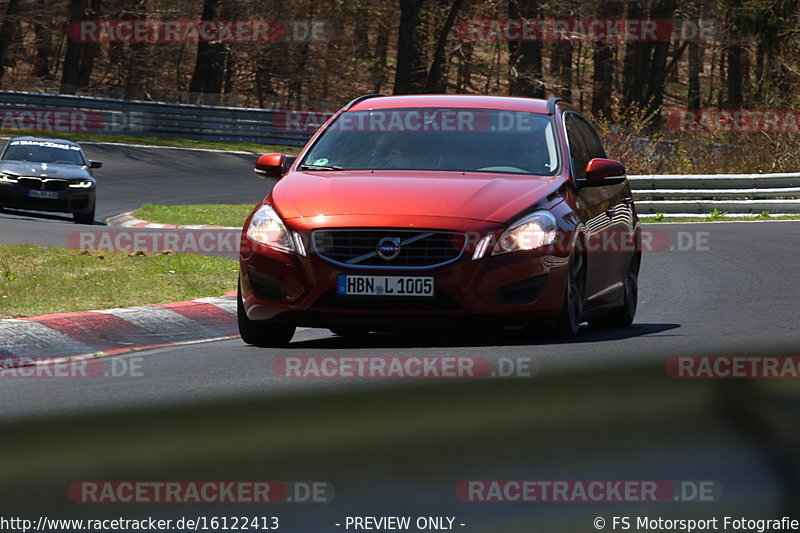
(81, 185)
(266, 227)
(528, 233)
(5, 178)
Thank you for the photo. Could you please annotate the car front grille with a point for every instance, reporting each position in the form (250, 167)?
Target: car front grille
(43, 184)
(358, 248)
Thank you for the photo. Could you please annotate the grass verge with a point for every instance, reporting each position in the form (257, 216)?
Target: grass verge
(158, 141)
(37, 280)
(200, 214)
(235, 215)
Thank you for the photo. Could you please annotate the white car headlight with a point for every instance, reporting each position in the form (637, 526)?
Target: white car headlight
(6, 178)
(81, 185)
(266, 227)
(528, 233)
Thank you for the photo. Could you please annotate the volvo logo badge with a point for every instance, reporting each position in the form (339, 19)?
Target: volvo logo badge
(388, 248)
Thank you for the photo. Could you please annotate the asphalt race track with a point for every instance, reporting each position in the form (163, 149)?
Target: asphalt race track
(600, 407)
(733, 292)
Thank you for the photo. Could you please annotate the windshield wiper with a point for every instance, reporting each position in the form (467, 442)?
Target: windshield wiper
(319, 167)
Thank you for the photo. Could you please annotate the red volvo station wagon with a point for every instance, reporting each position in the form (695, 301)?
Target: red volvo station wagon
(425, 210)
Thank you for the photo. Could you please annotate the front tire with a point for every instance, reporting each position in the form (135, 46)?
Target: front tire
(84, 218)
(572, 311)
(262, 333)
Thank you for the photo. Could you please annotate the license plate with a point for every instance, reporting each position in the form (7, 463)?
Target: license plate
(52, 195)
(351, 285)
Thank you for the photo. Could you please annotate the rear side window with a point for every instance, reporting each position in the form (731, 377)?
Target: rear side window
(590, 137)
(577, 147)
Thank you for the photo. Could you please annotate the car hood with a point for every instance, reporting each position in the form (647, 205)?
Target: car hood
(477, 196)
(45, 170)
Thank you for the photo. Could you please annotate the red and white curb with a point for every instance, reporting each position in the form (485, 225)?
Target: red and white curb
(73, 336)
(127, 220)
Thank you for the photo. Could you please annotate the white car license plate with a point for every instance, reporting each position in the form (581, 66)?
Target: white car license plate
(351, 285)
(52, 195)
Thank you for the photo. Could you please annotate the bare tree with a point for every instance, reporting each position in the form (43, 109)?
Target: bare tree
(212, 57)
(79, 58)
(8, 31)
(407, 47)
(525, 57)
(435, 82)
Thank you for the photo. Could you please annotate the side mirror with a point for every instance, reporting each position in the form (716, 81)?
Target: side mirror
(95, 164)
(272, 165)
(601, 172)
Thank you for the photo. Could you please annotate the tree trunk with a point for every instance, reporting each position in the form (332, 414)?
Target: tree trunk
(525, 58)
(604, 62)
(654, 97)
(561, 67)
(71, 70)
(435, 82)
(636, 64)
(79, 58)
(407, 51)
(603, 79)
(44, 50)
(209, 71)
(734, 79)
(138, 55)
(8, 32)
(464, 79)
(695, 68)
(379, 59)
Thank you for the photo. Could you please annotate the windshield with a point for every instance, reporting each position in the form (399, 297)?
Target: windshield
(461, 140)
(44, 152)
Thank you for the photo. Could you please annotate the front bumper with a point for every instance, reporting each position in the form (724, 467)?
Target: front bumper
(513, 288)
(15, 196)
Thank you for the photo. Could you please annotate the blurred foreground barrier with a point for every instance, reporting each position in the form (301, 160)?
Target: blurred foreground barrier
(411, 450)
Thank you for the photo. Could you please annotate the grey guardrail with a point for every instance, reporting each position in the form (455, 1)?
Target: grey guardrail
(731, 193)
(21, 111)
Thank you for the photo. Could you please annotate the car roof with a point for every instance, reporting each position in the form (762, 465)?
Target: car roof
(44, 139)
(505, 103)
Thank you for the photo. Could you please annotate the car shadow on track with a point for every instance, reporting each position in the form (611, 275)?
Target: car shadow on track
(40, 215)
(458, 338)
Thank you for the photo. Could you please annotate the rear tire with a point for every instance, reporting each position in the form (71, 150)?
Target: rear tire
(572, 311)
(622, 316)
(262, 333)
